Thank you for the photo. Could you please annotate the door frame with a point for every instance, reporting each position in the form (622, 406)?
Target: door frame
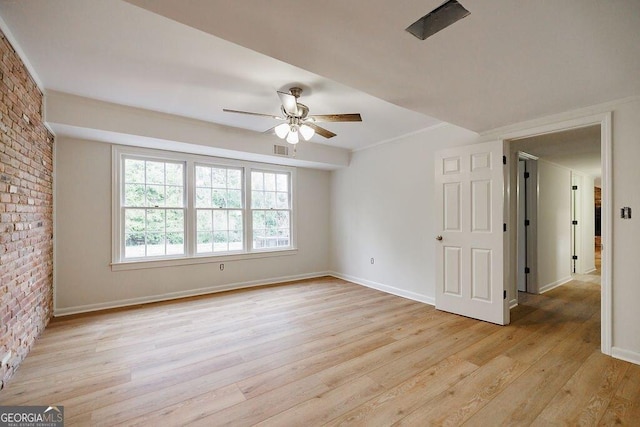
(531, 213)
(604, 120)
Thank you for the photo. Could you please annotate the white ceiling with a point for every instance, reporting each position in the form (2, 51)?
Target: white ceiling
(577, 149)
(509, 61)
(113, 51)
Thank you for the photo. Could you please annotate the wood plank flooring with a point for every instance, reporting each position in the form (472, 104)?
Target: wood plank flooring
(328, 352)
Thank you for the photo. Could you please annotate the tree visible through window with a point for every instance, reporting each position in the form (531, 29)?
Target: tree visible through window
(270, 209)
(153, 208)
(172, 206)
(219, 204)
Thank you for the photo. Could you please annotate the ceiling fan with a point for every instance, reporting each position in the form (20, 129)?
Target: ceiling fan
(297, 120)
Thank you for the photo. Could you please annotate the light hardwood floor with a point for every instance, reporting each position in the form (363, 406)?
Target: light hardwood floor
(330, 352)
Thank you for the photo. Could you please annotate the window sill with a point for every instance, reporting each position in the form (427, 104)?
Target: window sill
(139, 265)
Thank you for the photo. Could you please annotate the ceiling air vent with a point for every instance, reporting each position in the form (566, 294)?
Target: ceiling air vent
(281, 150)
(438, 19)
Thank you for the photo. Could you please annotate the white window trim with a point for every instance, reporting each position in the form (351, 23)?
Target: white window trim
(118, 263)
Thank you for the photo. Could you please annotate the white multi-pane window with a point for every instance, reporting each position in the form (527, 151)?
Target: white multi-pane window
(270, 209)
(153, 208)
(219, 207)
(179, 208)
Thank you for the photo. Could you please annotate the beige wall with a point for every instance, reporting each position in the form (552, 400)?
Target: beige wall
(84, 280)
(553, 225)
(626, 232)
(383, 209)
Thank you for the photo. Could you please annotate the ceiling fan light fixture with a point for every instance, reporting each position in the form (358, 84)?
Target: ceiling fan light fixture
(293, 138)
(307, 132)
(282, 130)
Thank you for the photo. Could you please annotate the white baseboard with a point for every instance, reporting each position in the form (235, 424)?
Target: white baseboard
(386, 288)
(626, 355)
(66, 311)
(591, 270)
(549, 286)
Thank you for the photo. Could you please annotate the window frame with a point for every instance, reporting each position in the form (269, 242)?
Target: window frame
(123, 208)
(250, 209)
(190, 161)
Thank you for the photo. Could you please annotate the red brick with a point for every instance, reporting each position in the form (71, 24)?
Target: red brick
(26, 188)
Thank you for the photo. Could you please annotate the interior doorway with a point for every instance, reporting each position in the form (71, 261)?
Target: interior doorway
(599, 125)
(555, 208)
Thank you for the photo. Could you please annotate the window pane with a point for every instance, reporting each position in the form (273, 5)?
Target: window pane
(134, 171)
(219, 178)
(155, 244)
(155, 195)
(219, 198)
(235, 220)
(203, 198)
(175, 243)
(174, 174)
(257, 200)
(134, 221)
(134, 245)
(174, 196)
(258, 220)
(270, 200)
(220, 239)
(203, 176)
(282, 219)
(282, 201)
(234, 179)
(203, 220)
(155, 220)
(175, 220)
(220, 220)
(155, 173)
(234, 199)
(270, 182)
(134, 194)
(205, 242)
(257, 181)
(282, 181)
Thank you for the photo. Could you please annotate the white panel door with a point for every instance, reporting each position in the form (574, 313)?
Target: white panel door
(470, 257)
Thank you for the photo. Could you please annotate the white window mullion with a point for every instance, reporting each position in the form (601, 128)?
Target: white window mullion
(139, 190)
(190, 211)
(248, 212)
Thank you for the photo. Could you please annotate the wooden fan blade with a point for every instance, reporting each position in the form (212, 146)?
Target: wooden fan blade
(320, 131)
(354, 117)
(289, 103)
(226, 110)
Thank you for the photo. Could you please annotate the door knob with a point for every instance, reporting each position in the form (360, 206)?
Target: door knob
(438, 238)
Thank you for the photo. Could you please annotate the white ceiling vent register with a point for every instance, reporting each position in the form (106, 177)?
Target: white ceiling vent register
(280, 150)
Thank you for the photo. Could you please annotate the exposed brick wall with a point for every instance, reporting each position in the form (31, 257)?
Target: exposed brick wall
(26, 213)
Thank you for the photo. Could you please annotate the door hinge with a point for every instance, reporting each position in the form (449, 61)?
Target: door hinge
(574, 222)
(527, 270)
(574, 187)
(504, 227)
(504, 160)
(574, 257)
(504, 294)
(527, 222)
(526, 175)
